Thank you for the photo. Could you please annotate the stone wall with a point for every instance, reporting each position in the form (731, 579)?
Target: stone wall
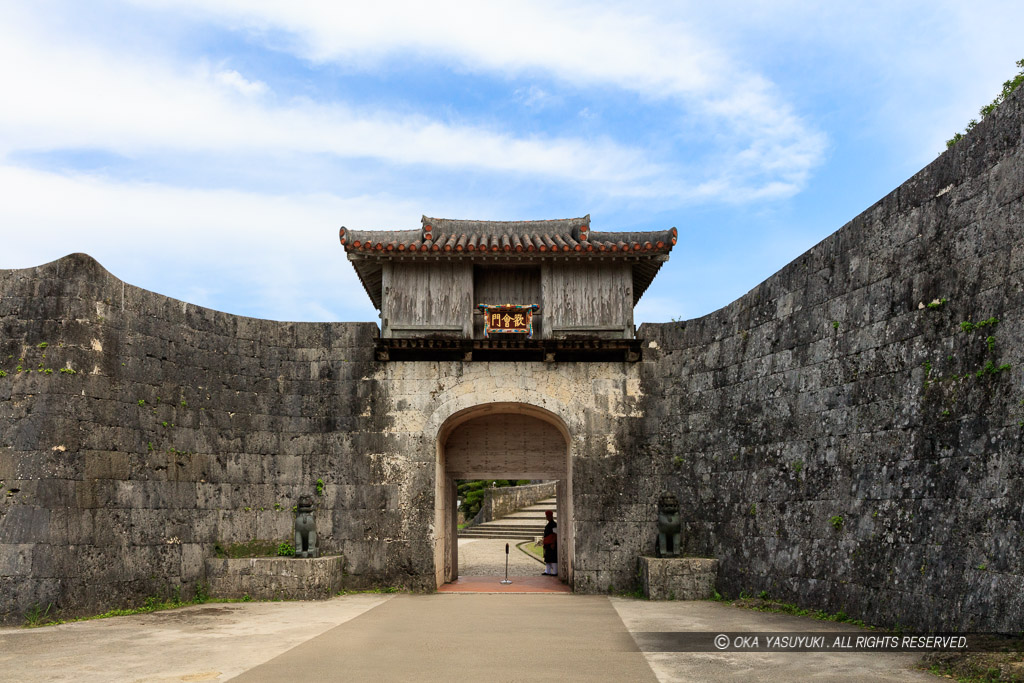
(838, 437)
(841, 437)
(275, 578)
(502, 501)
(137, 431)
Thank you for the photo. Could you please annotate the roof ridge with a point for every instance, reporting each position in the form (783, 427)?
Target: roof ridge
(427, 220)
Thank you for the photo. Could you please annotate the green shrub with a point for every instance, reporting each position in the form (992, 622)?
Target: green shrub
(472, 492)
(37, 615)
(1008, 87)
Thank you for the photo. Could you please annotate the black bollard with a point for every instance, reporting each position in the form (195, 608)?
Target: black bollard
(506, 581)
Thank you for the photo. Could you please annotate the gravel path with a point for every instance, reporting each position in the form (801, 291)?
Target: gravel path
(486, 557)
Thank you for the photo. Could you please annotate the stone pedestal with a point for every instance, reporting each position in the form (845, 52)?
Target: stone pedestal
(678, 578)
(275, 578)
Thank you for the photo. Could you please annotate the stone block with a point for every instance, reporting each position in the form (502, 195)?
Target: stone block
(16, 559)
(192, 561)
(678, 578)
(71, 525)
(24, 524)
(275, 578)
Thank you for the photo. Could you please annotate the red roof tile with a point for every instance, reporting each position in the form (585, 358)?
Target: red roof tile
(571, 235)
(475, 240)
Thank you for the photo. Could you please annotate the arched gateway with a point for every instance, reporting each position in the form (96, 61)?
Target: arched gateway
(521, 328)
(500, 441)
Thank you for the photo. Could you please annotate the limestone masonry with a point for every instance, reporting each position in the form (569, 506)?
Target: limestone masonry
(846, 436)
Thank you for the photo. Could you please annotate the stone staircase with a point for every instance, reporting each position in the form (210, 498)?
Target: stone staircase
(526, 523)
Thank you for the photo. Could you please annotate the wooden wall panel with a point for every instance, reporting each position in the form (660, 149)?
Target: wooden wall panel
(432, 297)
(505, 446)
(588, 299)
(506, 286)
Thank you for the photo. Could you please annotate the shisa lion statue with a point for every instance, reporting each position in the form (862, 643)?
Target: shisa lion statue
(305, 528)
(669, 527)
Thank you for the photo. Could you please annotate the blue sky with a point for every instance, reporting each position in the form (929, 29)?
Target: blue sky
(210, 149)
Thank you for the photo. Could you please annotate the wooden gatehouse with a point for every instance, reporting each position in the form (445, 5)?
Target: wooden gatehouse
(506, 290)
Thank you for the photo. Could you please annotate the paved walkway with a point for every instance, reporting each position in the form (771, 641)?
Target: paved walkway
(430, 638)
(479, 637)
(645, 618)
(212, 642)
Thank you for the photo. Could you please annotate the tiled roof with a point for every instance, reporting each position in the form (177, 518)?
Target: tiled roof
(563, 236)
(557, 240)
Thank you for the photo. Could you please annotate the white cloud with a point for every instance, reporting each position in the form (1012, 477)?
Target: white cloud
(279, 254)
(596, 44)
(237, 81)
(653, 52)
(73, 96)
(906, 74)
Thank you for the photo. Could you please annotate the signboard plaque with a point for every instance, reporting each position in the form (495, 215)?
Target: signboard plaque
(508, 318)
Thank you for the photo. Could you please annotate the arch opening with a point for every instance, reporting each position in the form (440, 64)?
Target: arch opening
(500, 441)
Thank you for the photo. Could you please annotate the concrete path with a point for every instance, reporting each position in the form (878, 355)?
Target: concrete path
(212, 642)
(470, 637)
(430, 638)
(643, 617)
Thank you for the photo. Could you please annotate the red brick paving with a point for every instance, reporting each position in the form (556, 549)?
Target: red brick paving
(491, 584)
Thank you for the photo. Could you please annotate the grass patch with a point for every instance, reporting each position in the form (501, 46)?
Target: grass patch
(976, 667)
(532, 549)
(254, 548)
(37, 616)
(764, 604)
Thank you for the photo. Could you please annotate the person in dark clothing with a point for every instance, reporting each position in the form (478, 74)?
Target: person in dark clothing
(550, 545)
